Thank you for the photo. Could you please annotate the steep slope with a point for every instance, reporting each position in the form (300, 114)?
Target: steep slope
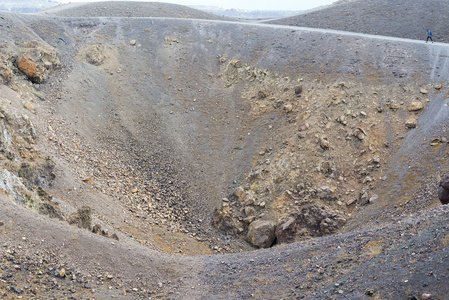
(400, 18)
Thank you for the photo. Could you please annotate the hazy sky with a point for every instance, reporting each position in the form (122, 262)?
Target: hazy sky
(242, 4)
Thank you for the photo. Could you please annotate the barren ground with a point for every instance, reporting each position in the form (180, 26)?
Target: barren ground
(180, 134)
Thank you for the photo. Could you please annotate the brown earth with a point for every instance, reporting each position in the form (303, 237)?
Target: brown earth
(154, 143)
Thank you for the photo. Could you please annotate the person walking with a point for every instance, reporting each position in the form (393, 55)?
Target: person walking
(429, 36)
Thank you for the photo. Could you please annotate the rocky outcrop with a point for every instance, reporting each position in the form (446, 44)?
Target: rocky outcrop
(312, 220)
(8, 54)
(261, 233)
(37, 61)
(82, 218)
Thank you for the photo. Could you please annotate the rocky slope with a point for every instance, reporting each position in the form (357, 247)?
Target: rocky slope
(406, 19)
(158, 135)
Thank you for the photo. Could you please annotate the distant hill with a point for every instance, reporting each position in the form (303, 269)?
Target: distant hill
(247, 14)
(406, 19)
(26, 6)
(133, 9)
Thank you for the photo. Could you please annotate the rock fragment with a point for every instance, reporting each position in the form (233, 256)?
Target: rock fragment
(415, 106)
(298, 90)
(423, 91)
(324, 143)
(411, 123)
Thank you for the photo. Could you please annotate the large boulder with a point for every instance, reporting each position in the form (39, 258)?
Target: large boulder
(261, 233)
(37, 60)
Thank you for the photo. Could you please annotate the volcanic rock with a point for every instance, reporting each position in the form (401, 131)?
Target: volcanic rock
(444, 182)
(411, 123)
(95, 55)
(50, 209)
(324, 143)
(286, 232)
(298, 90)
(261, 233)
(37, 61)
(415, 106)
(327, 193)
(423, 91)
(443, 195)
(82, 218)
(224, 220)
(310, 221)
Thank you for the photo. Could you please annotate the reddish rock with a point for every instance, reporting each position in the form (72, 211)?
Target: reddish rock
(30, 69)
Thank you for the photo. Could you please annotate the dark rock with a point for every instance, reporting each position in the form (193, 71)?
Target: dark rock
(444, 183)
(324, 143)
(298, 90)
(38, 173)
(443, 195)
(82, 218)
(328, 167)
(16, 290)
(261, 233)
(286, 232)
(262, 94)
(411, 123)
(310, 221)
(97, 230)
(51, 209)
(224, 220)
